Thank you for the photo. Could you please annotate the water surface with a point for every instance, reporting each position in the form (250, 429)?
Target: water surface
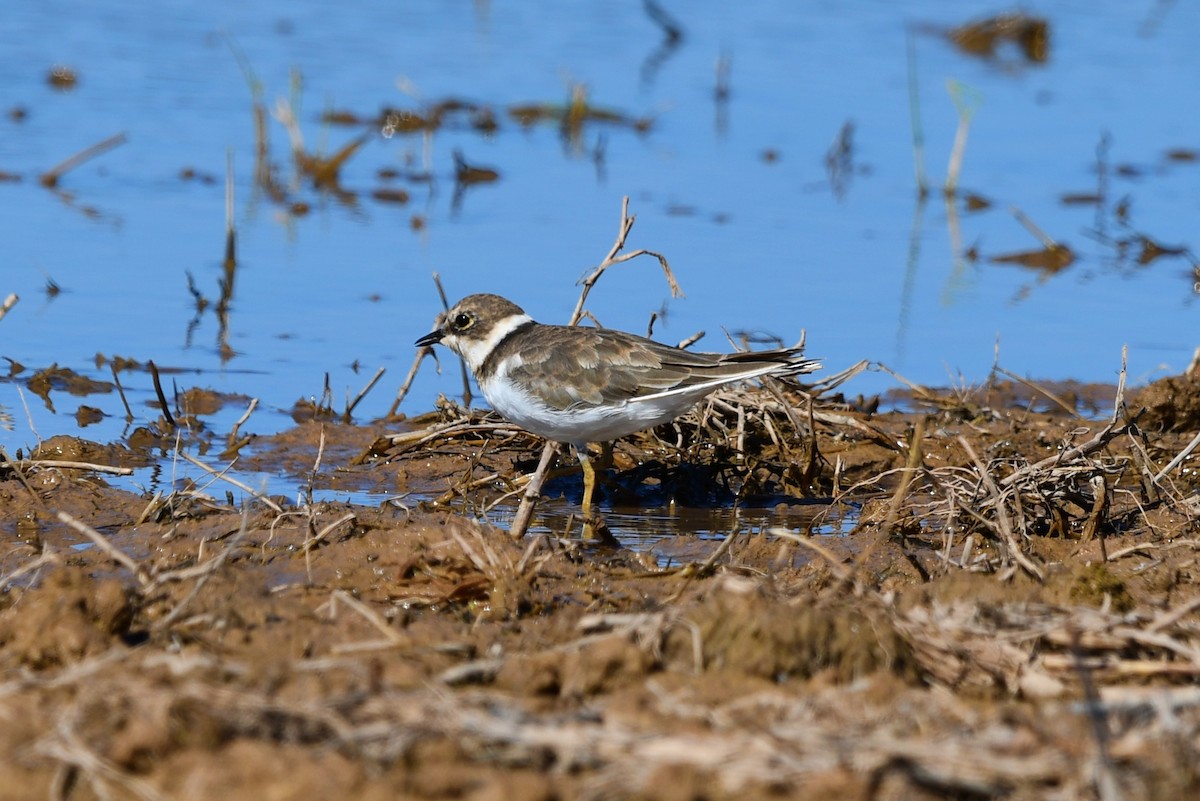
(769, 227)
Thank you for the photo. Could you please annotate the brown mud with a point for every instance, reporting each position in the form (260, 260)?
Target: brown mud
(1013, 616)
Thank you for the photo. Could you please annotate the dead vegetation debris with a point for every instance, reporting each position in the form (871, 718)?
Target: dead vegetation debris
(1013, 616)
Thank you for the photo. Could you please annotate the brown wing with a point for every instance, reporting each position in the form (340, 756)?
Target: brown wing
(589, 366)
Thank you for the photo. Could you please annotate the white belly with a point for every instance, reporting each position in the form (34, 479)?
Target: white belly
(583, 424)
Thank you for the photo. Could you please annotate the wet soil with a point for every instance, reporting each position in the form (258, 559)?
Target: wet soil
(1013, 616)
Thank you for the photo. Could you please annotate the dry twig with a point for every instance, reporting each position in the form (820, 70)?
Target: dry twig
(51, 177)
(221, 475)
(8, 303)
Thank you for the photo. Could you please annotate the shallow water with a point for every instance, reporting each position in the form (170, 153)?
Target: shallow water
(657, 530)
(766, 227)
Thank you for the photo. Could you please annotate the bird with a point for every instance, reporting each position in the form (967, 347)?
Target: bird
(577, 385)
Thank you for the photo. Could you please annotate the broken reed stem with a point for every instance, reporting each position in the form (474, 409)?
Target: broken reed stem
(954, 168)
(692, 570)
(233, 432)
(320, 536)
(533, 491)
(362, 394)
(365, 612)
(121, 391)
(116, 554)
(672, 30)
(1032, 227)
(285, 115)
(20, 474)
(1091, 526)
(519, 482)
(409, 440)
(158, 390)
(68, 465)
(8, 303)
(28, 415)
(220, 474)
(612, 258)
(839, 570)
(922, 392)
(1168, 619)
(422, 352)
(964, 101)
(1057, 400)
(913, 462)
(1178, 460)
(706, 568)
(1119, 397)
(911, 467)
(263, 177)
(46, 557)
(50, 178)
(312, 474)
(230, 232)
(310, 511)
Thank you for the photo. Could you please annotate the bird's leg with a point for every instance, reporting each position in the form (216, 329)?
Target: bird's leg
(589, 480)
(590, 528)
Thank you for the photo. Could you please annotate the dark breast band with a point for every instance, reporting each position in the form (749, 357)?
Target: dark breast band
(501, 351)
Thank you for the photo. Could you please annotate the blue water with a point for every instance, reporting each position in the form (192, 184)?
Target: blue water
(757, 245)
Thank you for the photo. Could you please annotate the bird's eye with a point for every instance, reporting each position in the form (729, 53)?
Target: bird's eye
(463, 321)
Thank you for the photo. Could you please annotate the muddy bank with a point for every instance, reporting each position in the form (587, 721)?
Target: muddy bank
(1014, 616)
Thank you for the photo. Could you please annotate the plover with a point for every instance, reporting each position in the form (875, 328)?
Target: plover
(577, 385)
